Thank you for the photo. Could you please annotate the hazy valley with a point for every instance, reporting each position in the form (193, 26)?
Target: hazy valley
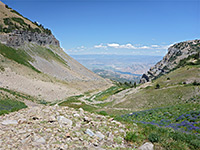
(50, 100)
(121, 68)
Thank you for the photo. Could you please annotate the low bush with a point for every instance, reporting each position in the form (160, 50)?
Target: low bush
(131, 136)
(154, 138)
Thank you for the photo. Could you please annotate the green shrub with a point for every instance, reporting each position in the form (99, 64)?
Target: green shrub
(131, 136)
(195, 143)
(19, 20)
(103, 113)
(157, 86)
(1, 28)
(154, 138)
(7, 21)
(2, 68)
(195, 83)
(43, 102)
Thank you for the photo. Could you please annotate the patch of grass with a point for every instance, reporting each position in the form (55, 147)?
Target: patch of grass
(104, 113)
(75, 103)
(131, 136)
(101, 96)
(163, 138)
(17, 94)
(9, 105)
(18, 56)
(153, 137)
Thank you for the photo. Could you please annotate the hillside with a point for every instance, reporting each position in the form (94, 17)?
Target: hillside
(33, 63)
(177, 54)
(11, 20)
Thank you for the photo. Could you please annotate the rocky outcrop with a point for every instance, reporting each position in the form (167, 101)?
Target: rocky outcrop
(171, 60)
(18, 38)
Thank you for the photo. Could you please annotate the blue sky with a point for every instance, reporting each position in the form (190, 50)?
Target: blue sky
(132, 27)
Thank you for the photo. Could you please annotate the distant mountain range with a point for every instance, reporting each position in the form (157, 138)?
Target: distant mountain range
(122, 68)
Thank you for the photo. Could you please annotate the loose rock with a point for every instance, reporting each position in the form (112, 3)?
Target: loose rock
(10, 122)
(146, 146)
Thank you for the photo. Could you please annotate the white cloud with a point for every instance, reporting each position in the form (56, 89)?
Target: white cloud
(100, 46)
(114, 45)
(128, 46)
(111, 46)
(144, 47)
(154, 46)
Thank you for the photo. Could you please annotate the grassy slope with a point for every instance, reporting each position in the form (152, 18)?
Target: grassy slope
(9, 101)
(10, 105)
(18, 56)
(171, 91)
(174, 107)
(23, 56)
(45, 53)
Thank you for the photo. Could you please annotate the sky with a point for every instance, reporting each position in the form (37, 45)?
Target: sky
(128, 27)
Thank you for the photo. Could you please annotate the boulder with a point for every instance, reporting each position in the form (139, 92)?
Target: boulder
(64, 121)
(146, 146)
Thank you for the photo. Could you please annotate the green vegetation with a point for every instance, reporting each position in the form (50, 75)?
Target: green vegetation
(190, 60)
(7, 21)
(2, 68)
(75, 103)
(104, 113)
(17, 55)
(154, 138)
(181, 117)
(105, 94)
(9, 105)
(18, 95)
(157, 86)
(12, 25)
(162, 137)
(1, 28)
(101, 96)
(46, 54)
(19, 20)
(173, 91)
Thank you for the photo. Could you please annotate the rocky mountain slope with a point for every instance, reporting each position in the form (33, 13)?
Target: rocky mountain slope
(177, 54)
(33, 63)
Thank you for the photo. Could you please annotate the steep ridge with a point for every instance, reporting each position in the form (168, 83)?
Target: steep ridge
(173, 59)
(33, 63)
